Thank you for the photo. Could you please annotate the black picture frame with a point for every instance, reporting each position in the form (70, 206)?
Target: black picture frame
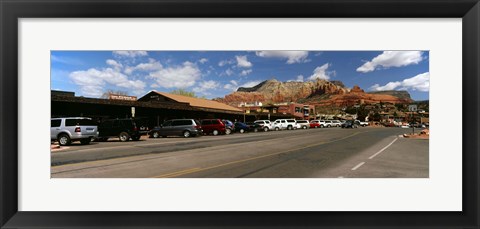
(11, 11)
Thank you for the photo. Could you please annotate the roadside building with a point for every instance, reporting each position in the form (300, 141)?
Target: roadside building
(151, 109)
(287, 109)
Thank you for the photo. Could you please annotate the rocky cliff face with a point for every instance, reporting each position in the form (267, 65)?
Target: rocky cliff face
(274, 91)
(319, 92)
(399, 94)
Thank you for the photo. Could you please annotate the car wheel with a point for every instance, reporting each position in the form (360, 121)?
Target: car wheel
(265, 129)
(322, 126)
(186, 134)
(277, 129)
(289, 127)
(304, 127)
(155, 134)
(85, 141)
(242, 131)
(255, 130)
(64, 140)
(215, 132)
(124, 137)
(228, 131)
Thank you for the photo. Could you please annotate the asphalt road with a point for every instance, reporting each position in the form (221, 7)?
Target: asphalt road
(367, 152)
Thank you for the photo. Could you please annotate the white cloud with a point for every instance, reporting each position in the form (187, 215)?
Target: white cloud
(420, 82)
(251, 83)
(233, 85)
(131, 54)
(177, 77)
(386, 87)
(206, 86)
(298, 79)
(243, 62)
(229, 72)
(291, 56)
(225, 62)
(246, 72)
(114, 64)
(92, 81)
(203, 60)
(321, 72)
(152, 65)
(392, 59)
(66, 60)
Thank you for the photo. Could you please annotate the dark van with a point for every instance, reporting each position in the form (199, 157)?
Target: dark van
(177, 127)
(123, 129)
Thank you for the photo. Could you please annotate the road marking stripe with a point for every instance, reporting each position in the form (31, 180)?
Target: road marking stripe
(384, 148)
(178, 173)
(358, 166)
(253, 158)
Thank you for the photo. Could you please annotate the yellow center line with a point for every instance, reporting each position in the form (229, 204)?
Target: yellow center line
(189, 171)
(178, 173)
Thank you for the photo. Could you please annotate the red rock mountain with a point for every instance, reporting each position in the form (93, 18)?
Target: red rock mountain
(319, 92)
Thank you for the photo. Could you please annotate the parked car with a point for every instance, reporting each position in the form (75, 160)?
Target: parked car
(304, 124)
(388, 124)
(69, 129)
(266, 124)
(177, 127)
(213, 126)
(280, 124)
(417, 125)
(315, 124)
(241, 127)
(292, 124)
(405, 125)
(360, 123)
(123, 129)
(328, 123)
(229, 127)
(253, 126)
(336, 123)
(349, 124)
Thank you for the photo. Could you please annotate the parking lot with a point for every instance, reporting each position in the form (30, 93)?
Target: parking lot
(326, 152)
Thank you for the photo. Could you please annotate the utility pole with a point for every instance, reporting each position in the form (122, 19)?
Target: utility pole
(244, 111)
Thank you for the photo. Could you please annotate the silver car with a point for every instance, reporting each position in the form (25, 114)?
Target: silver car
(304, 124)
(70, 129)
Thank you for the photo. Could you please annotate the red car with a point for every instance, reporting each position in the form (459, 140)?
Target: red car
(315, 124)
(213, 126)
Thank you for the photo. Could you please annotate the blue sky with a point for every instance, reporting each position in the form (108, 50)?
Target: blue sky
(217, 73)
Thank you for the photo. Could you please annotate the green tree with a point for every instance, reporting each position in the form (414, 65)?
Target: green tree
(184, 93)
(395, 115)
(107, 93)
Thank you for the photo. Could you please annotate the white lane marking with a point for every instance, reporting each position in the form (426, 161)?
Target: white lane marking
(384, 148)
(358, 166)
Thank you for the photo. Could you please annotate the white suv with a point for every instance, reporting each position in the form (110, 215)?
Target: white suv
(281, 124)
(265, 124)
(67, 130)
(336, 123)
(303, 124)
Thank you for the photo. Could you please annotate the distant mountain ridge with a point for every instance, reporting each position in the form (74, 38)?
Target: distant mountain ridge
(318, 92)
(399, 94)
